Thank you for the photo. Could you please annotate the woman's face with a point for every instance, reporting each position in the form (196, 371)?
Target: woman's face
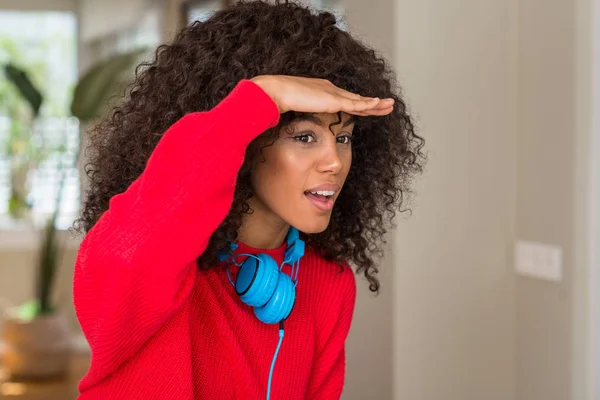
(303, 172)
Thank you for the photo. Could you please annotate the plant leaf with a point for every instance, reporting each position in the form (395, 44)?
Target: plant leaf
(20, 79)
(100, 83)
(48, 264)
(28, 311)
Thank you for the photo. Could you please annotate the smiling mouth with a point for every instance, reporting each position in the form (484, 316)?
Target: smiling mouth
(322, 200)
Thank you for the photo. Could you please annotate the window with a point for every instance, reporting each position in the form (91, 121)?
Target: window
(201, 10)
(145, 33)
(335, 7)
(45, 45)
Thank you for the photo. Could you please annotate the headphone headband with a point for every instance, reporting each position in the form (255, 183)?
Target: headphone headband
(292, 236)
(295, 248)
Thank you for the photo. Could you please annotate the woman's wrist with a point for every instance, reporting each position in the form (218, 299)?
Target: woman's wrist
(265, 82)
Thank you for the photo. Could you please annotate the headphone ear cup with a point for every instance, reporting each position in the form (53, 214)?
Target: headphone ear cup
(257, 280)
(280, 304)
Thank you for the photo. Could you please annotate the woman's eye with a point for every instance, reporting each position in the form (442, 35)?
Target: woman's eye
(304, 138)
(345, 139)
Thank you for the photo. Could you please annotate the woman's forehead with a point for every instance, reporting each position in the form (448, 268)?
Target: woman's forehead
(326, 119)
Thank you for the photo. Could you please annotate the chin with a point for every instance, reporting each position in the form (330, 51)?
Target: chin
(312, 225)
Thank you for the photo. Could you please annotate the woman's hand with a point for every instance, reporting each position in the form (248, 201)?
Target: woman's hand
(311, 95)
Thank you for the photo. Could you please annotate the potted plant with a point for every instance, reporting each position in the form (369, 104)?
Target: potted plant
(22, 101)
(36, 335)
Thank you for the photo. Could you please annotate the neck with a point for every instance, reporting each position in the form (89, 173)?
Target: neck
(262, 229)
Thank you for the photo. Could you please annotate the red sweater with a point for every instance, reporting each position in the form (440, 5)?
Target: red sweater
(158, 327)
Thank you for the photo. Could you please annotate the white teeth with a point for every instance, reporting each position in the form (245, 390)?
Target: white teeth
(324, 192)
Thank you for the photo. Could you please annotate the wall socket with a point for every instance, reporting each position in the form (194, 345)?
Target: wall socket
(538, 260)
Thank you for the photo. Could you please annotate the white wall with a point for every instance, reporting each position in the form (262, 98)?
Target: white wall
(593, 328)
(554, 196)
(370, 360)
(503, 90)
(546, 157)
(454, 285)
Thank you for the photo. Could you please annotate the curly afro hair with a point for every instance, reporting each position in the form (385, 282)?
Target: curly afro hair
(203, 64)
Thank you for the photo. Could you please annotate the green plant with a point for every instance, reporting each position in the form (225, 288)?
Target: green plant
(101, 83)
(49, 257)
(92, 93)
(30, 93)
(23, 152)
(51, 249)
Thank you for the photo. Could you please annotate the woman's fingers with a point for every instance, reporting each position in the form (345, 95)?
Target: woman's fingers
(354, 96)
(364, 104)
(386, 103)
(374, 112)
(381, 111)
(318, 95)
(350, 95)
(368, 106)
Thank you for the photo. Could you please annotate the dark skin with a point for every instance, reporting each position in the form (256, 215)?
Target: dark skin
(311, 153)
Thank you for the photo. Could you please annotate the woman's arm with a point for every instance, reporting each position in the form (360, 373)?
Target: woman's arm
(329, 368)
(136, 266)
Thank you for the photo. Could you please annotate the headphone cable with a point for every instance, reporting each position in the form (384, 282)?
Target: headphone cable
(274, 359)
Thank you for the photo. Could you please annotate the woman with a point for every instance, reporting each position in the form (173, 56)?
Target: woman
(263, 121)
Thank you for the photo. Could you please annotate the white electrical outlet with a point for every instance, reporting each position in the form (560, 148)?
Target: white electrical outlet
(538, 260)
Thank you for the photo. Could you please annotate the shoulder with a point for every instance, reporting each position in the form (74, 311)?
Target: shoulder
(330, 278)
(331, 287)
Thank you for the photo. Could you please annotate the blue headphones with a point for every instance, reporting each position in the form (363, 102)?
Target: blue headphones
(261, 283)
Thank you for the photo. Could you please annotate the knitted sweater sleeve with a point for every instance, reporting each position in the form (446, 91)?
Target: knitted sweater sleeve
(329, 369)
(136, 266)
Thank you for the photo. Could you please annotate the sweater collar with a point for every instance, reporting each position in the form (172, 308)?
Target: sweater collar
(278, 253)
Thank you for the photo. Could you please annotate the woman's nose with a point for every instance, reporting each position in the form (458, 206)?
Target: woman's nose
(330, 160)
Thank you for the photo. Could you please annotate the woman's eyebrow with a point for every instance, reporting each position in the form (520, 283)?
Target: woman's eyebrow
(315, 119)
